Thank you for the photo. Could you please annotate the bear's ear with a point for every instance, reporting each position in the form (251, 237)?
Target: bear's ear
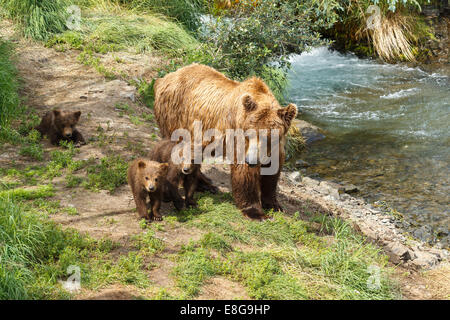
(141, 164)
(288, 114)
(77, 115)
(56, 112)
(249, 103)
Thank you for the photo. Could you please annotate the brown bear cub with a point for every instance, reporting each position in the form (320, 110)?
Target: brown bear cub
(185, 173)
(60, 125)
(146, 179)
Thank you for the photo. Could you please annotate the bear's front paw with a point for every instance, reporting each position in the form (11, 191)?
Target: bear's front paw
(178, 205)
(206, 187)
(191, 204)
(255, 213)
(272, 205)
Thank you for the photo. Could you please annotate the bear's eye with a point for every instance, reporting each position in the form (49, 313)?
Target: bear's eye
(146, 178)
(156, 179)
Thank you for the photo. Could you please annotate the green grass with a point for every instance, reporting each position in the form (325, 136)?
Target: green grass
(28, 242)
(28, 194)
(38, 19)
(148, 243)
(9, 84)
(283, 258)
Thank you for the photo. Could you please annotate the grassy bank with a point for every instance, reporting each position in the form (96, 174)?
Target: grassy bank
(289, 257)
(36, 253)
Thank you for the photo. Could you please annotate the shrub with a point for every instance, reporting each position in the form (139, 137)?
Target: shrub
(257, 40)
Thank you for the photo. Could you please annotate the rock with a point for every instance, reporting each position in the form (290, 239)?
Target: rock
(310, 182)
(310, 132)
(301, 164)
(350, 188)
(398, 253)
(295, 177)
(424, 233)
(114, 88)
(425, 260)
(333, 189)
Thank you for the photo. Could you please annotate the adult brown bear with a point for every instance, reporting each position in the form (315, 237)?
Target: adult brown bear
(200, 93)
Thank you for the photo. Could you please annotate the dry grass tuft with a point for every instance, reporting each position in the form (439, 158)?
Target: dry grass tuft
(391, 37)
(438, 282)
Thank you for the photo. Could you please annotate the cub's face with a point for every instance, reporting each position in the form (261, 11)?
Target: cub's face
(151, 174)
(187, 167)
(65, 122)
(182, 155)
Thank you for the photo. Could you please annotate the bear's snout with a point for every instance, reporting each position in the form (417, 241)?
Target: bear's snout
(186, 170)
(67, 132)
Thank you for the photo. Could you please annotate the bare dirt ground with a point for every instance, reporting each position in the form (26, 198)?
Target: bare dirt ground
(56, 79)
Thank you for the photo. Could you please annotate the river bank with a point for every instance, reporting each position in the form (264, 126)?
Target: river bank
(380, 223)
(386, 132)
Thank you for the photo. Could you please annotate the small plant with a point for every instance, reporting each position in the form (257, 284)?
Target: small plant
(109, 174)
(149, 243)
(32, 147)
(71, 211)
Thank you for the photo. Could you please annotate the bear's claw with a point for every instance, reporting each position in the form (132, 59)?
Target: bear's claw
(275, 206)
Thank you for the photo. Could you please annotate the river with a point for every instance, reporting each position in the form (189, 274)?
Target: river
(387, 131)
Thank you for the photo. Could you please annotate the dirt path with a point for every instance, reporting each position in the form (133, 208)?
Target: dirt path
(56, 79)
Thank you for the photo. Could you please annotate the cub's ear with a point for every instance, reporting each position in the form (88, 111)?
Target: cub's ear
(288, 114)
(56, 112)
(164, 167)
(249, 103)
(77, 115)
(141, 164)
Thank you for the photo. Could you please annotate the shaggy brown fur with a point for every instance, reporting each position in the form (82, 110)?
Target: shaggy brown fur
(185, 173)
(60, 125)
(198, 92)
(146, 179)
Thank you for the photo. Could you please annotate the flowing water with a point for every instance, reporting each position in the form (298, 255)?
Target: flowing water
(387, 131)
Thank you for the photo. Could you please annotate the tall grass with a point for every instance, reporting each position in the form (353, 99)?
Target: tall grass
(26, 240)
(38, 19)
(144, 33)
(186, 12)
(9, 98)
